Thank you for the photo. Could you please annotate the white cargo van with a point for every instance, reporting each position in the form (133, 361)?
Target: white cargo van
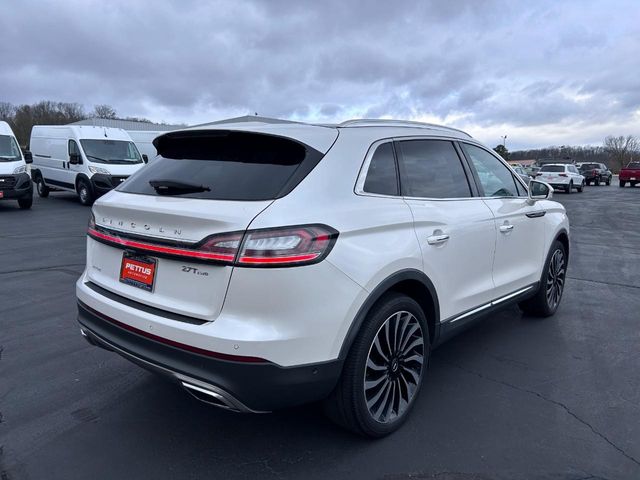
(15, 181)
(84, 159)
(144, 141)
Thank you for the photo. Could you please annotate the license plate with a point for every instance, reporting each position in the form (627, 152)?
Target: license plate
(138, 271)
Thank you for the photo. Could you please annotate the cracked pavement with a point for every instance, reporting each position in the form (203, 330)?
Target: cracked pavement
(511, 398)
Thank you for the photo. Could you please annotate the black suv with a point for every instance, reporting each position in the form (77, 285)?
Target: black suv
(596, 173)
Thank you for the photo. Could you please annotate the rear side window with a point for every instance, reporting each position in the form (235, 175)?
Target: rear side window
(224, 165)
(431, 169)
(552, 168)
(382, 176)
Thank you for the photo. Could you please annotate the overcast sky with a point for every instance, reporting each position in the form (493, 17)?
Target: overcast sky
(540, 72)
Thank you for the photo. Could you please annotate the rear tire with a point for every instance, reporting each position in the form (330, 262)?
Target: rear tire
(384, 370)
(41, 187)
(25, 203)
(547, 299)
(85, 193)
(622, 183)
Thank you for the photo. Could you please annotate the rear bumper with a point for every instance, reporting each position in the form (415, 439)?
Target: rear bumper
(242, 386)
(21, 187)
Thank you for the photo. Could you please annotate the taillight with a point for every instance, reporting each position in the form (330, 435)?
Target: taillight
(563, 175)
(273, 247)
(288, 246)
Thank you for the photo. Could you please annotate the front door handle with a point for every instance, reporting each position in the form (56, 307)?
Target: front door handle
(437, 239)
(506, 228)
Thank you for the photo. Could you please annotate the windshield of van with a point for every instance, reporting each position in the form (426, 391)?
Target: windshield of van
(9, 150)
(111, 151)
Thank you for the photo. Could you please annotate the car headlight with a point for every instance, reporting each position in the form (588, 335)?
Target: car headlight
(93, 169)
(20, 169)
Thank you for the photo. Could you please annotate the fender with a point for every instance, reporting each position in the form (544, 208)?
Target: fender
(382, 288)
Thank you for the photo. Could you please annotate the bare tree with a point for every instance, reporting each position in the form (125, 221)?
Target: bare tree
(621, 150)
(7, 111)
(104, 111)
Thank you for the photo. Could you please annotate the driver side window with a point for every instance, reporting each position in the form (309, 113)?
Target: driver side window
(495, 178)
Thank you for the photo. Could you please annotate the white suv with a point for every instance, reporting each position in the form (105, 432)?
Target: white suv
(561, 175)
(265, 265)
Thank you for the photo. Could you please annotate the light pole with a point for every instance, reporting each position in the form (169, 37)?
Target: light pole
(504, 141)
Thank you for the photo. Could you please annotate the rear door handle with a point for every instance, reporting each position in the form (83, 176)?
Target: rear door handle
(437, 239)
(506, 228)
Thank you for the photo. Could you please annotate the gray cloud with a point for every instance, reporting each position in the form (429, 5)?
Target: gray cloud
(482, 65)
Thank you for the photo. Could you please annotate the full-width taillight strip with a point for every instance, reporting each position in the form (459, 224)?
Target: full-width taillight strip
(149, 247)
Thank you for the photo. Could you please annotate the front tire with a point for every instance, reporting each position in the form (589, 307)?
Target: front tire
(569, 187)
(547, 298)
(581, 187)
(25, 203)
(383, 372)
(41, 187)
(85, 194)
(597, 182)
(608, 181)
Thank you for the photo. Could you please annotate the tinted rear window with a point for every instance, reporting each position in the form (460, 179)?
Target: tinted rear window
(231, 165)
(431, 169)
(634, 165)
(552, 168)
(589, 166)
(382, 177)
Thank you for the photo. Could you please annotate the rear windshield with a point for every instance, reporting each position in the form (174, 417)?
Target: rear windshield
(634, 165)
(224, 165)
(589, 166)
(9, 151)
(552, 168)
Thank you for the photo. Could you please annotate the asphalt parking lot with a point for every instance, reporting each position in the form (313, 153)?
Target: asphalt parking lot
(512, 398)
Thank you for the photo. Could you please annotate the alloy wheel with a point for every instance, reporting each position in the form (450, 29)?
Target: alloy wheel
(555, 279)
(394, 367)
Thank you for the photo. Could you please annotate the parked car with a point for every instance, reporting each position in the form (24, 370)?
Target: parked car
(522, 172)
(87, 160)
(631, 174)
(261, 266)
(15, 180)
(595, 173)
(562, 175)
(532, 171)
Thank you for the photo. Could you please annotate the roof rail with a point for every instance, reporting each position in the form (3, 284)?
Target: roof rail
(380, 122)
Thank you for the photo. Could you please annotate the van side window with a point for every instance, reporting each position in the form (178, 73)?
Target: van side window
(73, 148)
(382, 177)
(431, 169)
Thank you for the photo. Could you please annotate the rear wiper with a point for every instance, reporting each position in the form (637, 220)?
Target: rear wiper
(170, 187)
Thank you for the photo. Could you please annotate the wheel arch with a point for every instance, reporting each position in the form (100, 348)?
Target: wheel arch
(563, 237)
(413, 283)
(83, 177)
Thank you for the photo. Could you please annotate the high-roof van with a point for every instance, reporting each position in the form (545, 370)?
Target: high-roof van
(15, 181)
(144, 141)
(87, 160)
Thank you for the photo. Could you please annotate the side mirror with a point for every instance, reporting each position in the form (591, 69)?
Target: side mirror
(28, 157)
(539, 191)
(74, 159)
(145, 158)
